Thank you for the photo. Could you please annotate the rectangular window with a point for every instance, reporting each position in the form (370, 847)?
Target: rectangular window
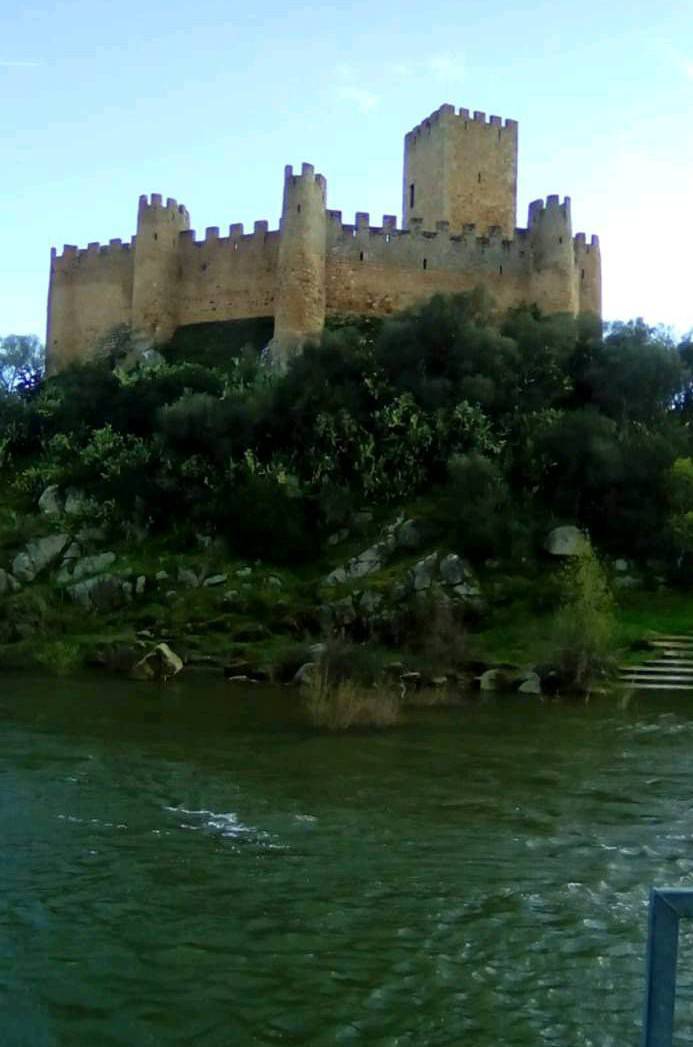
(411, 195)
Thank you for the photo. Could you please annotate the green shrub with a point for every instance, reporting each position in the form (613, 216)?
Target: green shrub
(584, 626)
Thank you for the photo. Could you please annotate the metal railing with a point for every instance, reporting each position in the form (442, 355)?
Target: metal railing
(667, 907)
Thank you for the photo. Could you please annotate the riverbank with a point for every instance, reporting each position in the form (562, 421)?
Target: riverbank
(388, 588)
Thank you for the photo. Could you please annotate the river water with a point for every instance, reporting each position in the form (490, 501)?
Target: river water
(193, 866)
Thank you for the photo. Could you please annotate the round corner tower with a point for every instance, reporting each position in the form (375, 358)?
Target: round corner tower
(154, 306)
(553, 278)
(299, 312)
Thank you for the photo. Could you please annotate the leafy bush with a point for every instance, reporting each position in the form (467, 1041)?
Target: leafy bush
(584, 624)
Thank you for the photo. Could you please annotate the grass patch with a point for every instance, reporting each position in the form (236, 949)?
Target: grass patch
(348, 703)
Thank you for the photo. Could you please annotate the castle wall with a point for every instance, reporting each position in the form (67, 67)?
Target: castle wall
(90, 294)
(379, 270)
(461, 168)
(227, 278)
(588, 269)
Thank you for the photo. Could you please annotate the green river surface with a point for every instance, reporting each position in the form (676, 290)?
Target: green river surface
(191, 865)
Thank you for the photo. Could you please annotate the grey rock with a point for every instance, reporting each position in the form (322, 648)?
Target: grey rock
(101, 593)
(317, 651)
(452, 569)
(531, 684)
(140, 585)
(160, 664)
(215, 579)
(338, 536)
(188, 578)
(39, 555)
(231, 596)
(127, 588)
(620, 565)
(336, 577)
(244, 572)
(305, 674)
(408, 535)
(92, 565)
(274, 582)
(467, 591)
(8, 583)
(50, 503)
(370, 602)
(162, 576)
(493, 680)
(566, 541)
(439, 681)
(423, 573)
(78, 502)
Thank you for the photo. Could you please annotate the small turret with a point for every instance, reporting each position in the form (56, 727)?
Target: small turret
(154, 300)
(553, 285)
(299, 312)
(588, 267)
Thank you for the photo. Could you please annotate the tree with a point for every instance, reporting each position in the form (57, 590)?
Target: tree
(583, 632)
(22, 359)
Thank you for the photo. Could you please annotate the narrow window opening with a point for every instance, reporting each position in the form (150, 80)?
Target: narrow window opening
(478, 177)
(299, 208)
(425, 263)
(235, 245)
(500, 269)
(203, 266)
(156, 236)
(560, 239)
(582, 275)
(387, 238)
(360, 256)
(499, 134)
(412, 194)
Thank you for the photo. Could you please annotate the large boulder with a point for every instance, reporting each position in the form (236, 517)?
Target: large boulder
(89, 566)
(39, 555)
(79, 503)
(159, 664)
(50, 503)
(103, 592)
(424, 572)
(566, 541)
(453, 570)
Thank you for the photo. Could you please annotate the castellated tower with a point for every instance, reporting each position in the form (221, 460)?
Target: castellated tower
(154, 298)
(461, 169)
(299, 308)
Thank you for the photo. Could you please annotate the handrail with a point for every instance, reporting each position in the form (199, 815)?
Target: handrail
(667, 907)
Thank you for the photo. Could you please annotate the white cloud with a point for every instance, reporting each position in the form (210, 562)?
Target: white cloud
(688, 69)
(359, 96)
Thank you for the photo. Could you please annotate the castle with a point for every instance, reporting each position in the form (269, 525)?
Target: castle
(458, 232)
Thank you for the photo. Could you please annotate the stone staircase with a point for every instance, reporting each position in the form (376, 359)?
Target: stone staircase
(670, 670)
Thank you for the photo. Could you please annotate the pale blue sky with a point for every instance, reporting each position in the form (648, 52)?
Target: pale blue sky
(206, 102)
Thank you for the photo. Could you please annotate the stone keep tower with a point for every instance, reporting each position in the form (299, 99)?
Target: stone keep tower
(461, 170)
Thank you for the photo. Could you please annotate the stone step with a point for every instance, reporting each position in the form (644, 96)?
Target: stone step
(669, 661)
(662, 682)
(657, 686)
(645, 667)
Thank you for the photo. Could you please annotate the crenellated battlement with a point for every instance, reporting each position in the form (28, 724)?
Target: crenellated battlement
(155, 203)
(462, 118)
(458, 231)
